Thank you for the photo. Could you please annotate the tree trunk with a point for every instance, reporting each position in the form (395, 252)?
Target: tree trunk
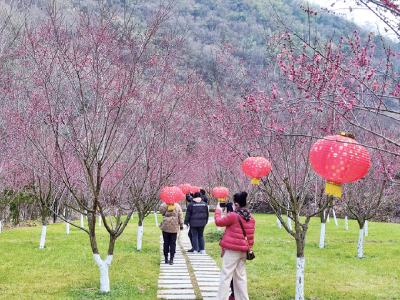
(327, 218)
(104, 266)
(334, 217)
(140, 234)
(289, 221)
(322, 236)
(300, 278)
(155, 217)
(300, 264)
(346, 223)
(279, 223)
(42, 237)
(82, 221)
(67, 228)
(100, 221)
(360, 243)
(366, 228)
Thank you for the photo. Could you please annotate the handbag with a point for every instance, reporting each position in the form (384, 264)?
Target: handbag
(249, 254)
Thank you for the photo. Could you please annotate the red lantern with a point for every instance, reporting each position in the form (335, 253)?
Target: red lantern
(256, 167)
(185, 188)
(338, 159)
(171, 194)
(221, 193)
(194, 189)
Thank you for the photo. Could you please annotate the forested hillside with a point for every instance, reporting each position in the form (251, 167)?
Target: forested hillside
(245, 24)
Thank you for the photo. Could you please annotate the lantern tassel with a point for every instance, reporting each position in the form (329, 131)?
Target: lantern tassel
(333, 189)
(171, 206)
(255, 181)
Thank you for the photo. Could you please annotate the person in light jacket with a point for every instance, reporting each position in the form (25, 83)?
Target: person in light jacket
(171, 223)
(197, 218)
(234, 260)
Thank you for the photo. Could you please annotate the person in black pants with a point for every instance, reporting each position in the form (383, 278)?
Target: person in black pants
(172, 221)
(197, 219)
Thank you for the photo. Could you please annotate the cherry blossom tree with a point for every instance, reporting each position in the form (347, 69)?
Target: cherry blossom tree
(85, 89)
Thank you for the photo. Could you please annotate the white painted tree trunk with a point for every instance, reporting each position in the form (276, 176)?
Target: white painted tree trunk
(131, 216)
(279, 223)
(346, 223)
(327, 218)
(300, 278)
(139, 238)
(366, 228)
(155, 218)
(360, 243)
(82, 221)
(42, 237)
(322, 236)
(334, 217)
(104, 265)
(218, 228)
(289, 222)
(99, 221)
(67, 228)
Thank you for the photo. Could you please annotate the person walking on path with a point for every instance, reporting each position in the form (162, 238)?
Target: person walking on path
(197, 219)
(229, 209)
(171, 223)
(234, 260)
(204, 196)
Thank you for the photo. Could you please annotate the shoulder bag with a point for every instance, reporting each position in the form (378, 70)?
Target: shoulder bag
(250, 254)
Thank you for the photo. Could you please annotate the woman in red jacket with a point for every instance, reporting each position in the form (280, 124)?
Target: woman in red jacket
(234, 261)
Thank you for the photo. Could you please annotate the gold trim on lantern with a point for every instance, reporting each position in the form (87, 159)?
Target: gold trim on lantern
(346, 134)
(171, 206)
(255, 181)
(221, 199)
(333, 189)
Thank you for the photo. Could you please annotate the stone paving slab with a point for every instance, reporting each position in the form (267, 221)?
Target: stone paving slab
(168, 292)
(176, 297)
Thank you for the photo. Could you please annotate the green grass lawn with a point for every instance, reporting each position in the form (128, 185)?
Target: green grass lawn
(331, 273)
(65, 268)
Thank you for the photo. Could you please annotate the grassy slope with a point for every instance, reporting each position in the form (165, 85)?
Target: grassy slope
(331, 273)
(65, 269)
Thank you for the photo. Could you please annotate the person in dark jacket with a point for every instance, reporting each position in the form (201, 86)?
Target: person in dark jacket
(197, 219)
(204, 196)
(189, 198)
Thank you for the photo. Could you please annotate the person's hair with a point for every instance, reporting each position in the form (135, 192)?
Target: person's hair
(229, 207)
(197, 195)
(240, 198)
(203, 192)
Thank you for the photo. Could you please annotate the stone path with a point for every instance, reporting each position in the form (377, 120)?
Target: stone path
(174, 281)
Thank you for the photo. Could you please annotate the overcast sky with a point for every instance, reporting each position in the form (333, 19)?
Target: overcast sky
(360, 16)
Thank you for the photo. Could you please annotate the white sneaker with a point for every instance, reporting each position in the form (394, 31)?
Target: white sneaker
(195, 252)
(202, 251)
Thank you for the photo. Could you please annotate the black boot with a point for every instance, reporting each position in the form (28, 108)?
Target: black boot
(171, 261)
(166, 260)
(191, 250)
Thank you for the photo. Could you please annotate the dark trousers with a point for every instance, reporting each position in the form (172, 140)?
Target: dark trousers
(169, 244)
(190, 237)
(198, 238)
